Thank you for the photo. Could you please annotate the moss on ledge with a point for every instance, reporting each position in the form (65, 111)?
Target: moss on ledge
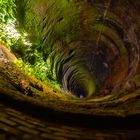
(21, 88)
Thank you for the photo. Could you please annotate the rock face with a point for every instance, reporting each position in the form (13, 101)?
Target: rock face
(92, 46)
(6, 55)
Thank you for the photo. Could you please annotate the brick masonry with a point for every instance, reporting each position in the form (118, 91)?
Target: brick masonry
(16, 125)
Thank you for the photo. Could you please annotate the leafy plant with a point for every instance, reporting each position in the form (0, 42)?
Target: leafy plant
(7, 10)
(11, 34)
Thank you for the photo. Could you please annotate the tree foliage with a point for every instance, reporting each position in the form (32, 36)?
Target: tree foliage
(7, 10)
(13, 35)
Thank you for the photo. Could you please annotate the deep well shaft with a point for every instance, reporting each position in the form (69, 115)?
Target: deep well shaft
(91, 45)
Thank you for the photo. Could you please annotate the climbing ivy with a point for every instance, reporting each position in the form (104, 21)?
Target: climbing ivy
(7, 10)
(13, 36)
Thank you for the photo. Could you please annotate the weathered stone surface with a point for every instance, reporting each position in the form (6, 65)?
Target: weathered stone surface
(6, 54)
(55, 130)
(94, 51)
(31, 110)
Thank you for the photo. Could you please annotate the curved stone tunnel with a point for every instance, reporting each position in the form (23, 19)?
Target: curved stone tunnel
(98, 43)
(93, 49)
